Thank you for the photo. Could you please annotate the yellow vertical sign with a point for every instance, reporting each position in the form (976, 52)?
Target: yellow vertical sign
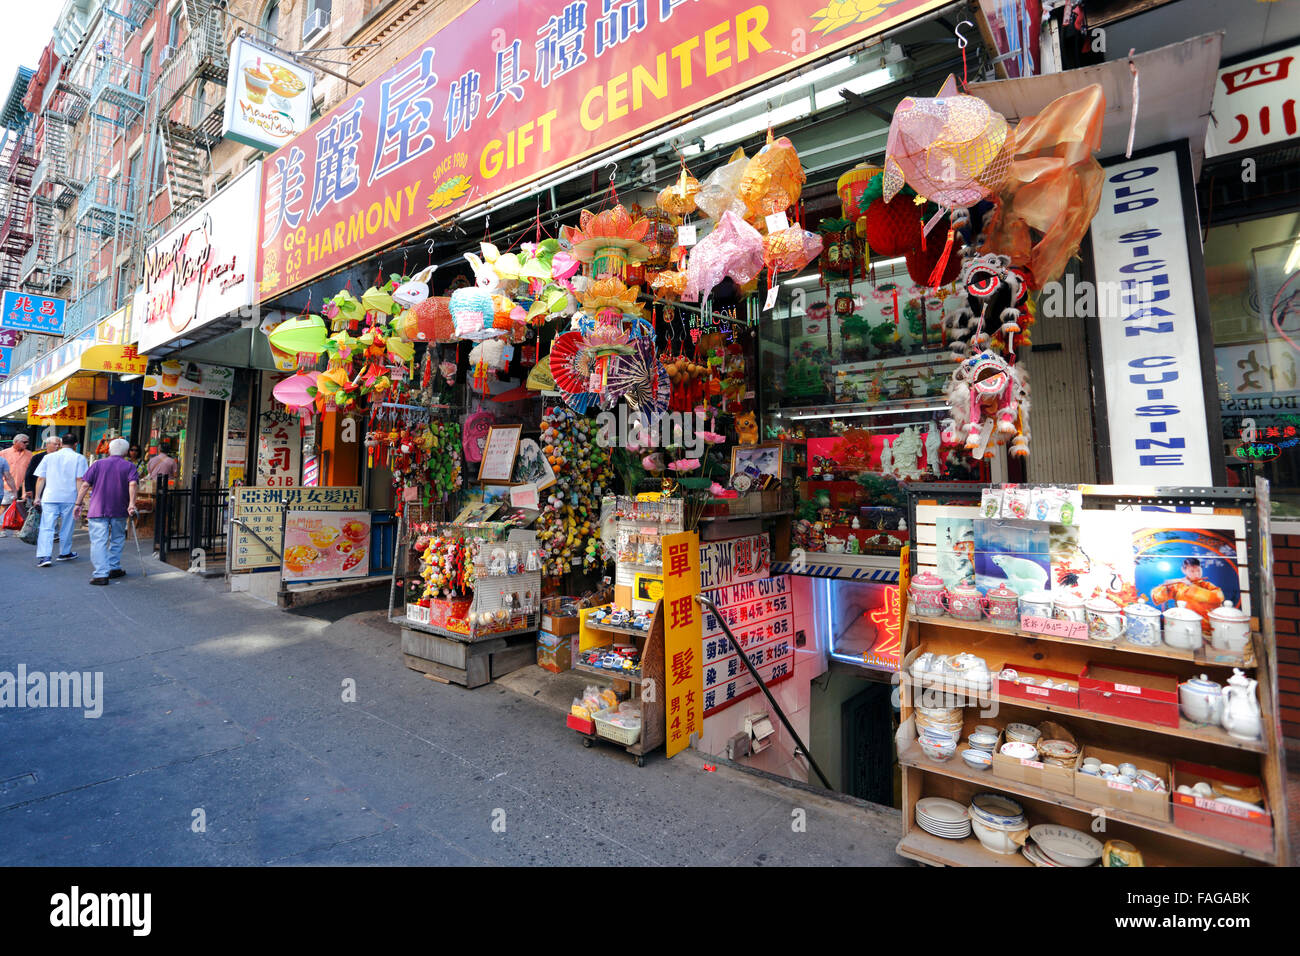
(683, 641)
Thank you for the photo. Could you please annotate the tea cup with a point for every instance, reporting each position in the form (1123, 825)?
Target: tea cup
(1109, 770)
(1127, 770)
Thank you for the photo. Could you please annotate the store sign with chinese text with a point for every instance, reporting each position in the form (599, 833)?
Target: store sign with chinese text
(760, 614)
(278, 441)
(32, 313)
(1255, 103)
(201, 270)
(257, 534)
(268, 98)
(6, 360)
(511, 90)
(72, 413)
(684, 694)
(735, 561)
(1150, 335)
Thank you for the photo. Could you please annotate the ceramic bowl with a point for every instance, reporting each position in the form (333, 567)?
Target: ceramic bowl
(986, 729)
(996, 839)
(1019, 750)
(979, 759)
(938, 753)
(1066, 846)
(983, 741)
(1024, 733)
(997, 810)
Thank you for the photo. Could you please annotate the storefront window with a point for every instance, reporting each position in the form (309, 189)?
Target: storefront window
(1253, 275)
(168, 430)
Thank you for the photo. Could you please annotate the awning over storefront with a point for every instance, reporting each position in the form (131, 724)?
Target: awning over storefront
(1175, 87)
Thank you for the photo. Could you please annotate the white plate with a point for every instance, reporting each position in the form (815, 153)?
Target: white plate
(947, 834)
(1066, 846)
(1037, 857)
(938, 808)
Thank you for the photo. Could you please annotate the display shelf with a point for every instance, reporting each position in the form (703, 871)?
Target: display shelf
(1200, 658)
(746, 517)
(607, 673)
(910, 755)
(1185, 729)
(940, 851)
(615, 629)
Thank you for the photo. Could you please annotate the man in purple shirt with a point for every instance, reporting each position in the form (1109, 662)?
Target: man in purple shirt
(111, 483)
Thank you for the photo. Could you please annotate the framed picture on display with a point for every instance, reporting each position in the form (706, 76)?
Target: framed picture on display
(499, 451)
(756, 461)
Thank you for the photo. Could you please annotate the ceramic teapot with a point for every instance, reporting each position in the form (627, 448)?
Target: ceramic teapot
(1229, 628)
(1001, 604)
(1241, 717)
(1183, 627)
(1201, 700)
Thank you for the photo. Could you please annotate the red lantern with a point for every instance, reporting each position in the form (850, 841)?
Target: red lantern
(893, 229)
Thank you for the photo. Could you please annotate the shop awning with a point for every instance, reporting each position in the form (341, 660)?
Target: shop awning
(112, 359)
(1175, 90)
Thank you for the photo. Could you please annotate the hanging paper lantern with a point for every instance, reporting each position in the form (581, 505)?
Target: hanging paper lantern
(790, 249)
(660, 237)
(612, 294)
(378, 300)
(850, 187)
(718, 192)
(893, 228)
(608, 240)
(734, 248)
(430, 321)
(839, 246)
(773, 179)
(303, 334)
(679, 198)
(343, 310)
(921, 263)
(953, 149)
(297, 392)
(472, 311)
(669, 284)
(415, 290)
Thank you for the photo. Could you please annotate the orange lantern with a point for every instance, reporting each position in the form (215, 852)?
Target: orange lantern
(773, 179)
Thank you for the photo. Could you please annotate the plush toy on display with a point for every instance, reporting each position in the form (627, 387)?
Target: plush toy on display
(568, 528)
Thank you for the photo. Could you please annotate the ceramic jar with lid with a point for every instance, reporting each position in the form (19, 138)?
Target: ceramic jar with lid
(1001, 604)
(1201, 700)
(963, 602)
(1229, 628)
(1142, 624)
(1105, 622)
(928, 593)
(1183, 627)
(1036, 604)
(1067, 606)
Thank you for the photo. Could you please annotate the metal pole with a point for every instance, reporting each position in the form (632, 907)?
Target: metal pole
(711, 607)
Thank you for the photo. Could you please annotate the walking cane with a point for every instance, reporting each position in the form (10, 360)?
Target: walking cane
(136, 535)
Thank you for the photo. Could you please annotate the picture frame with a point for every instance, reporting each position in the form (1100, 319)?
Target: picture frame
(532, 466)
(499, 451)
(758, 460)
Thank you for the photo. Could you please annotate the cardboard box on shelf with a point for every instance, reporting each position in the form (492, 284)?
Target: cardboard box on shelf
(1147, 696)
(555, 652)
(1065, 696)
(1122, 796)
(1251, 829)
(1033, 772)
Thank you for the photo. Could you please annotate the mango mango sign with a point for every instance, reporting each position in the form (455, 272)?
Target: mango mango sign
(511, 90)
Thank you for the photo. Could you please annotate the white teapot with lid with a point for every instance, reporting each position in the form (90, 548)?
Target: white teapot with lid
(1241, 716)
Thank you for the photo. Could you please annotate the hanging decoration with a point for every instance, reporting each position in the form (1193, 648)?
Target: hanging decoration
(733, 249)
(679, 198)
(789, 250)
(772, 181)
(718, 192)
(850, 188)
(640, 380)
(607, 241)
(989, 404)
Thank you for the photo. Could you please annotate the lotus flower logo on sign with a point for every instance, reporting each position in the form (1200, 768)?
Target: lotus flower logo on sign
(268, 98)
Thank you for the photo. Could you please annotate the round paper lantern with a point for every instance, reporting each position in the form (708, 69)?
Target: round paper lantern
(773, 179)
(292, 391)
(430, 321)
(921, 262)
(893, 228)
(850, 188)
(679, 198)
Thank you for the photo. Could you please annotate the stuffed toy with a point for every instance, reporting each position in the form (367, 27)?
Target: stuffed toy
(747, 428)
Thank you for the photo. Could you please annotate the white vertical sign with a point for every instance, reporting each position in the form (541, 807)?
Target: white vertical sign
(1146, 307)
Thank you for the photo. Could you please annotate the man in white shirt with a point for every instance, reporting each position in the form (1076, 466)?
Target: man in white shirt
(56, 496)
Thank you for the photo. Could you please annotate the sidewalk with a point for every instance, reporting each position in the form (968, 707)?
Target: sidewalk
(227, 717)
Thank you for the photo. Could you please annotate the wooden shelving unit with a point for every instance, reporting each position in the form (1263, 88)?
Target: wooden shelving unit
(651, 645)
(1161, 842)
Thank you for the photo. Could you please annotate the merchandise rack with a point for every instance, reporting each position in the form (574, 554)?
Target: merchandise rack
(1161, 842)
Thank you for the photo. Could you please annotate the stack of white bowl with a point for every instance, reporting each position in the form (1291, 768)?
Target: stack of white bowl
(943, 818)
(938, 729)
(996, 821)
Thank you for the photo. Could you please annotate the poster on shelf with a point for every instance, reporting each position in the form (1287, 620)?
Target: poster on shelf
(532, 467)
(1193, 566)
(956, 540)
(760, 614)
(1012, 553)
(683, 672)
(325, 545)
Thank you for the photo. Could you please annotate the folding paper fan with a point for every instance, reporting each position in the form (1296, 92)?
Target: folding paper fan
(570, 363)
(639, 379)
(539, 377)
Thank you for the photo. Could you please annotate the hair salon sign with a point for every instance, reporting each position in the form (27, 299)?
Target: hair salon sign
(200, 271)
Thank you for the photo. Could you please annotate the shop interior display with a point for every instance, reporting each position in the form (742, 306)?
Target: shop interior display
(1051, 667)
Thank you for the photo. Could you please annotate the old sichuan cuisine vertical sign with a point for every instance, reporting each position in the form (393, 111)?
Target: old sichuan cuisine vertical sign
(202, 269)
(513, 89)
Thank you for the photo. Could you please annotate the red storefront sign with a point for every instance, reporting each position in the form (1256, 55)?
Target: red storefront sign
(513, 89)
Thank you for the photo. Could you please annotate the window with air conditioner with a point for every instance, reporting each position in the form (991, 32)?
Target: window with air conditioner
(317, 20)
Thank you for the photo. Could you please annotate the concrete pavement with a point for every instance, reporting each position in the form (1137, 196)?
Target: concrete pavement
(225, 739)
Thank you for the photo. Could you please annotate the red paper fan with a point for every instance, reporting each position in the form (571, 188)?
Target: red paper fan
(569, 363)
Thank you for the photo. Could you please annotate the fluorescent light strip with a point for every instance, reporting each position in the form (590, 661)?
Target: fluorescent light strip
(870, 411)
(817, 276)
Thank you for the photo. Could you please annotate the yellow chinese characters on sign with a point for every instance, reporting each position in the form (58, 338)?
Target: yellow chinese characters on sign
(72, 413)
(683, 638)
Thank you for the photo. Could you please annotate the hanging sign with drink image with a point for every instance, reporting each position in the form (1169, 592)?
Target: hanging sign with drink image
(268, 98)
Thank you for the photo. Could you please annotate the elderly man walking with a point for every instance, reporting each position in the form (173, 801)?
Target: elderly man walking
(111, 483)
(56, 496)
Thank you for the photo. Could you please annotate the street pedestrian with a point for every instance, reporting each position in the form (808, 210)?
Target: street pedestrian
(133, 456)
(163, 463)
(56, 496)
(16, 459)
(111, 483)
(51, 444)
(7, 486)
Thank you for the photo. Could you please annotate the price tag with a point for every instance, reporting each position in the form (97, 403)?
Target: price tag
(1116, 785)
(1040, 691)
(1026, 762)
(776, 222)
(686, 235)
(772, 293)
(1129, 689)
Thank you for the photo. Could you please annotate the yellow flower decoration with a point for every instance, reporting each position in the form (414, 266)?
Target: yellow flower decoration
(841, 13)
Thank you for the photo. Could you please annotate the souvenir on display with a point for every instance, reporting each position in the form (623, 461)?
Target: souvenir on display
(300, 335)
(995, 306)
(790, 249)
(747, 428)
(608, 240)
(473, 312)
(850, 188)
(414, 290)
(679, 198)
(772, 180)
(984, 389)
(733, 249)
(718, 192)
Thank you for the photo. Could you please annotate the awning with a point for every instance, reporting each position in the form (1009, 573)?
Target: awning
(1175, 90)
(113, 359)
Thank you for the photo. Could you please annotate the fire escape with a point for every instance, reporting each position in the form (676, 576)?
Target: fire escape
(56, 185)
(189, 103)
(17, 165)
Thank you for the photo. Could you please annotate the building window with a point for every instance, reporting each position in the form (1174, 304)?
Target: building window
(1252, 274)
(134, 188)
(174, 28)
(271, 19)
(159, 177)
(145, 68)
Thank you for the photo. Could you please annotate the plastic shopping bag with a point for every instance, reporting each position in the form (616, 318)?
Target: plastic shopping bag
(13, 517)
(31, 527)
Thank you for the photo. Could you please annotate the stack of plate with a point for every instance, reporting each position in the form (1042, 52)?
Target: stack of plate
(1036, 856)
(943, 818)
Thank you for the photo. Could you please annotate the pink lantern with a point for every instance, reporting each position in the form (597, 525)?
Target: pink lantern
(734, 248)
(292, 393)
